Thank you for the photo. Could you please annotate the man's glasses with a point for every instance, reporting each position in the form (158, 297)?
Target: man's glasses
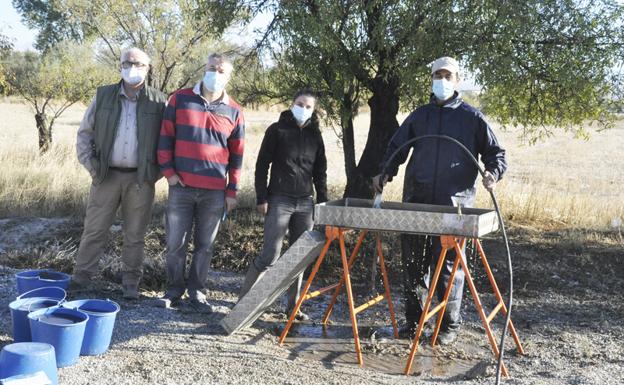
(128, 64)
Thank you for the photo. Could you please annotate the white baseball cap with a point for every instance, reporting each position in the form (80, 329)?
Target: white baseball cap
(446, 63)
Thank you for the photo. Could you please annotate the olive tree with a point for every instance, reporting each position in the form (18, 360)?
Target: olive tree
(53, 82)
(6, 47)
(176, 34)
(544, 65)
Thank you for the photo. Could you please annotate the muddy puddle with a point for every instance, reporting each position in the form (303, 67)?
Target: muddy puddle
(381, 352)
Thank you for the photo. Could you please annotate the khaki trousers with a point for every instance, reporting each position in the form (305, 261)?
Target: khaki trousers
(117, 189)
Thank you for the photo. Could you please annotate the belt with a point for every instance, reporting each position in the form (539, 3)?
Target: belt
(124, 169)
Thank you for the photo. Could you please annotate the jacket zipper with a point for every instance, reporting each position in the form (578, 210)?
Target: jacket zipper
(437, 157)
(298, 174)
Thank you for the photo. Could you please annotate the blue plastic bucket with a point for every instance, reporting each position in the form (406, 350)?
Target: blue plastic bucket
(28, 358)
(62, 328)
(33, 279)
(102, 314)
(43, 297)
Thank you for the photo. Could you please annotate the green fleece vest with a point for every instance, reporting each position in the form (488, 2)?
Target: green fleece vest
(150, 108)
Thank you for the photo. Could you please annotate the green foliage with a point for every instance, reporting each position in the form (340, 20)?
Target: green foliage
(544, 64)
(548, 65)
(177, 34)
(5, 44)
(66, 74)
(53, 82)
(6, 47)
(51, 22)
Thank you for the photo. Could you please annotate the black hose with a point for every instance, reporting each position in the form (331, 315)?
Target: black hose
(500, 221)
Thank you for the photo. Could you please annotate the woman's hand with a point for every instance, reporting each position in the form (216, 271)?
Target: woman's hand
(262, 208)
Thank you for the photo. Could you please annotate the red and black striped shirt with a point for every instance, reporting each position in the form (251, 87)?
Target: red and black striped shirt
(202, 142)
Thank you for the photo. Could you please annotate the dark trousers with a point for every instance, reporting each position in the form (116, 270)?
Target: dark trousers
(420, 255)
(285, 214)
(185, 206)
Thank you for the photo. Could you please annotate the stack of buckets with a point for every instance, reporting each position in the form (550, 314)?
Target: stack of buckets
(50, 333)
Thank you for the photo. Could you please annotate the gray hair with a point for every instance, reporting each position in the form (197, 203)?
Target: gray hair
(225, 60)
(135, 50)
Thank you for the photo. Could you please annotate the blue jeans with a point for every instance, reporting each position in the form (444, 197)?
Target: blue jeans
(284, 214)
(185, 206)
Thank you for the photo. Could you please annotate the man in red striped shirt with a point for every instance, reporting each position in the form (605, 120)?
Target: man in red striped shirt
(200, 152)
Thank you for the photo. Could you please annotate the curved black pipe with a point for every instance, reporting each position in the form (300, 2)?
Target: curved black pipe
(500, 221)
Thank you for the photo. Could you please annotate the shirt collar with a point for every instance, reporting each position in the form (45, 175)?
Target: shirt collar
(452, 103)
(122, 92)
(197, 91)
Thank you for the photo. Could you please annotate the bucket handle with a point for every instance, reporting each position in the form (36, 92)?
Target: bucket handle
(46, 313)
(48, 271)
(114, 303)
(45, 287)
(50, 309)
(35, 276)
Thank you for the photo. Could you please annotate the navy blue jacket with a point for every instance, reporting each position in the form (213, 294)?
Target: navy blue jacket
(439, 169)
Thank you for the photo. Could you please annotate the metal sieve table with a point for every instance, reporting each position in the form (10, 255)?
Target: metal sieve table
(454, 225)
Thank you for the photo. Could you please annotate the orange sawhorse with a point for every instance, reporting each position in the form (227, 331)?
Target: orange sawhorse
(336, 233)
(450, 242)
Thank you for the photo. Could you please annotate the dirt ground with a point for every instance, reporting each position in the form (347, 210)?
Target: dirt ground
(568, 308)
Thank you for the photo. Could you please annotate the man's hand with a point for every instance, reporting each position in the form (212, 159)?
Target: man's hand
(489, 182)
(230, 204)
(262, 208)
(174, 180)
(379, 183)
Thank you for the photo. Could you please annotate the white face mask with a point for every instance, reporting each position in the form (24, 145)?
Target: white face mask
(301, 114)
(214, 81)
(442, 89)
(133, 75)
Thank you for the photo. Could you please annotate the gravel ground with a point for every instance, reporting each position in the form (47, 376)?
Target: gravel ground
(568, 312)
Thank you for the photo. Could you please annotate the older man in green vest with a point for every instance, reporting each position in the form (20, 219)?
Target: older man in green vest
(116, 143)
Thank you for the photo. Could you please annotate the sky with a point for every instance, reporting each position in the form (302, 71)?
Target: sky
(11, 26)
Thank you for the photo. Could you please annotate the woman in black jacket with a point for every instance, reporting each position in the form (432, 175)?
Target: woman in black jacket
(293, 148)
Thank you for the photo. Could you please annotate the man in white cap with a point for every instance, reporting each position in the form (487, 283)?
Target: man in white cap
(439, 173)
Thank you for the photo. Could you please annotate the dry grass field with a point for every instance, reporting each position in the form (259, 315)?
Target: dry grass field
(563, 182)
(561, 197)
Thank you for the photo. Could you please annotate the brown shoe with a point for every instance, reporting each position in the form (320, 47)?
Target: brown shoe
(169, 300)
(79, 283)
(447, 337)
(201, 305)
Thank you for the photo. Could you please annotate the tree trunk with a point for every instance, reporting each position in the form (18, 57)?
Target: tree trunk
(45, 134)
(348, 138)
(384, 106)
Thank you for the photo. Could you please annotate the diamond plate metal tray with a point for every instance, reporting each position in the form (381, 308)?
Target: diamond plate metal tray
(400, 217)
(274, 281)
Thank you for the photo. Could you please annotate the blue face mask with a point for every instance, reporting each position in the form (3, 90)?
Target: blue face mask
(301, 114)
(442, 89)
(214, 81)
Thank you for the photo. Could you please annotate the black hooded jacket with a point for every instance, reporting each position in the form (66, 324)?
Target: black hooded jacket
(297, 158)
